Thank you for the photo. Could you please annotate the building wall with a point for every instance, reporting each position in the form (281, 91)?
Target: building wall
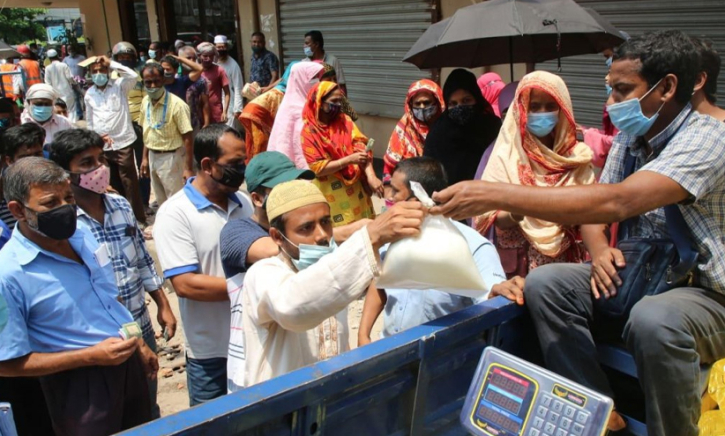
(102, 25)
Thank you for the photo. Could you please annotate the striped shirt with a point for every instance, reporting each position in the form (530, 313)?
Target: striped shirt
(132, 264)
(164, 122)
(5, 215)
(694, 157)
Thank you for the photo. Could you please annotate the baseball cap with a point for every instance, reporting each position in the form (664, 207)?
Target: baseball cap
(270, 168)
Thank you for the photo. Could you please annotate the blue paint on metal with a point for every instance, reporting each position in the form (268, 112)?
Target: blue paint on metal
(412, 383)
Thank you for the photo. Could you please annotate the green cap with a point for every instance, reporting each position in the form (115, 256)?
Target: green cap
(271, 168)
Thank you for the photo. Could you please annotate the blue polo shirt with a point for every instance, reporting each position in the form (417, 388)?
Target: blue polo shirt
(56, 304)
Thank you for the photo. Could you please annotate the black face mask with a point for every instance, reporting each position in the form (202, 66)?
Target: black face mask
(128, 64)
(223, 53)
(59, 223)
(462, 114)
(232, 175)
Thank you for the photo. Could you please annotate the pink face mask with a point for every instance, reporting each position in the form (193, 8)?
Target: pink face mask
(95, 180)
(389, 204)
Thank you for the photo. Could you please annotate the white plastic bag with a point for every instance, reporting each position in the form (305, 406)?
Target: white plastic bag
(439, 258)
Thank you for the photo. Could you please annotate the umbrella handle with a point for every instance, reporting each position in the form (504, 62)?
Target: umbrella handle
(555, 23)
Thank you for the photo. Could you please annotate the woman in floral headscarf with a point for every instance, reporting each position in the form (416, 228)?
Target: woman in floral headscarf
(537, 146)
(335, 151)
(423, 106)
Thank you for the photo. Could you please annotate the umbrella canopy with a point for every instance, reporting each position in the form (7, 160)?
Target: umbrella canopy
(511, 31)
(6, 51)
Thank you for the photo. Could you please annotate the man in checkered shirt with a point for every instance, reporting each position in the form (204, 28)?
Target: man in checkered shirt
(111, 220)
(680, 160)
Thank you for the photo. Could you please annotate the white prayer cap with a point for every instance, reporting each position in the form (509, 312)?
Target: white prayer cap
(41, 90)
(179, 43)
(220, 39)
(52, 53)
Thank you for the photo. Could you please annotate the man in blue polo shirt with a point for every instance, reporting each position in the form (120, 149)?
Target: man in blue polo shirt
(63, 314)
(187, 240)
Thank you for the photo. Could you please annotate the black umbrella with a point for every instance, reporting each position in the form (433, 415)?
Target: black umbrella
(511, 31)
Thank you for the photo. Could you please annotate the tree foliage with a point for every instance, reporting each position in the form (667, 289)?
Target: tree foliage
(17, 25)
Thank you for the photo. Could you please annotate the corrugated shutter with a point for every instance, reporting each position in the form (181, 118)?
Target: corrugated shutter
(369, 37)
(584, 75)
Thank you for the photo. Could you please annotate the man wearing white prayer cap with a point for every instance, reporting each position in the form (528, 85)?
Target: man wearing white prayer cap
(59, 76)
(39, 101)
(236, 81)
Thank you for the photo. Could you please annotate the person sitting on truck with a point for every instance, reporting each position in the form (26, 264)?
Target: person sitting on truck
(405, 308)
(295, 303)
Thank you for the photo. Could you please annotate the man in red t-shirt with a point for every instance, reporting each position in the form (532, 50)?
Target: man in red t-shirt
(218, 82)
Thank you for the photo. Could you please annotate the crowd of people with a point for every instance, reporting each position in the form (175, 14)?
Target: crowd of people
(264, 275)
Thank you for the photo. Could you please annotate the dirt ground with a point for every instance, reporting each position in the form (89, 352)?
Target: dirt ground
(172, 391)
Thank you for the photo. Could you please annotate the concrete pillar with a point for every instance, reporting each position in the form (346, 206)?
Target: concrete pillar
(102, 25)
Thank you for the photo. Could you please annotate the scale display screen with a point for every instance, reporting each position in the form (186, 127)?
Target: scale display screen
(504, 402)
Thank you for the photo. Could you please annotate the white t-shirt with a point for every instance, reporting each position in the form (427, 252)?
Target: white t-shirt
(187, 232)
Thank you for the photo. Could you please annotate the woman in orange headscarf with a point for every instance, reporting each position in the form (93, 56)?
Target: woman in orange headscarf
(423, 106)
(336, 151)
(537, 146)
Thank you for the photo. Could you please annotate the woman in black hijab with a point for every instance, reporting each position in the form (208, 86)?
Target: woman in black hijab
(464, 131)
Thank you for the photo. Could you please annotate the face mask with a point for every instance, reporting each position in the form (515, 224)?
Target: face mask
(100, 79)
(58, 223)
(154, 93)
(223, 53)
(128, 64)
(609, 62)
(169, 75)
(41, 114)
(152, 54)
(541, 124)
(627, 116)
(5, 123)
(425, 114)
(608, 88)
(389, 204)
(144, 59)
(333, 110)
(95, 180)
(257, 49)
(232, 175)
(308, 52)
(310, 254)
(462, 114)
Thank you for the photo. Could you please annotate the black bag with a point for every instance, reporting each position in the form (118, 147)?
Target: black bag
(653, 266)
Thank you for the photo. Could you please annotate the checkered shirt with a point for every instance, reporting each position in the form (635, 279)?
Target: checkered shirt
(133, 266)
(694, 157)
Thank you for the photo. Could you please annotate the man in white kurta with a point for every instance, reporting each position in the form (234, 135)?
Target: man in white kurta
(236, 80)
(295, 304)
(58, 75)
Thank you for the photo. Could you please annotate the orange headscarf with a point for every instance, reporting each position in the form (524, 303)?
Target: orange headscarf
(520, 158)
(408, 138)
(324, 143)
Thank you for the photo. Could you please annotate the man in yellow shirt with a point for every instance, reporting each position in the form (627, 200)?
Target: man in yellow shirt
(167, 136)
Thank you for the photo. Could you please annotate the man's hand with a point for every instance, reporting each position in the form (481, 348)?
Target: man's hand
(107, 139)
(402, 221)
(511, 289)
(236, 115)
(103, 60)
(113, 351)
(224, 116)
(376, 185)
(462, 200)
(187, 175)
(149, 359)
(144, 171)
(604, 277)
(167, 319)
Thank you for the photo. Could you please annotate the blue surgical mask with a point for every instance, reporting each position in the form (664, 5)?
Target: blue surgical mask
(425, 114)
(41, 114)
(310, 254)
(609, 62)
(627, 116)
(308, 52)
(100, 79)
(154, 93)
(542, 123)
(608, 88)
(152, 54)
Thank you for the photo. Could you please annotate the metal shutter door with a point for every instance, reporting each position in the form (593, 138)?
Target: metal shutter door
(369, 37)
(584, 75)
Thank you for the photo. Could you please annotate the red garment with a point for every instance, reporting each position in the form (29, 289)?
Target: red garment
(408, 138)
(217, 78)
(324, 143)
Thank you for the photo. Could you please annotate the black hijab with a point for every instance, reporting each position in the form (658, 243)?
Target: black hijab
(460, 147)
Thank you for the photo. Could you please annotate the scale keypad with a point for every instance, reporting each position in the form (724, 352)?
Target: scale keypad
(554, 417)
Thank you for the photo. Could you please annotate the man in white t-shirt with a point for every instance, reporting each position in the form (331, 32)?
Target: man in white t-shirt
(187, 240)
(236, 81)
(59, 76)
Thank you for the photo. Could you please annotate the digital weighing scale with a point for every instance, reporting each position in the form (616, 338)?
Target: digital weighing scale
(512, 397)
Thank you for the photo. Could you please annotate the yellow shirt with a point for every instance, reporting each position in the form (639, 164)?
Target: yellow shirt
(163, 133)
